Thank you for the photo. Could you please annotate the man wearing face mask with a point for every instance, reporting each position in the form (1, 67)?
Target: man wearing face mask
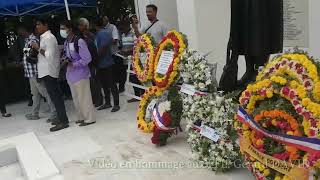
(48, 71)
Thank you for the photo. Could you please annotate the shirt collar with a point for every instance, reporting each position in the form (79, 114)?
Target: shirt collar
(45, 34)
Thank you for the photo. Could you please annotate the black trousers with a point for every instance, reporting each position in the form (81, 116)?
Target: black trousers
(56, 96)
(95, 87)
(137, 91)
(105, 76)
(2, 92)
(120, 72)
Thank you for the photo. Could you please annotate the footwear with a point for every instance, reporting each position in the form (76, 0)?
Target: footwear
(115, 109)
(54, 123)
(86, 124)
(51, 120)
(79, 122)
(59, 127)
(32, 117)
(6, 115)
(98, 105)
(122, 90)
(30, 102)
(105, 106)
(132, 100)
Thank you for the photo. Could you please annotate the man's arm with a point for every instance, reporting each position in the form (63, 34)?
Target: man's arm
(135, 26)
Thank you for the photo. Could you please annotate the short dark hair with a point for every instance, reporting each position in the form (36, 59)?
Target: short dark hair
(70, 25)
(43, 20)
(98, 22)
(26, 27)
(154, 7)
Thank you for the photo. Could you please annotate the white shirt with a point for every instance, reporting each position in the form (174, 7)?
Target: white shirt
(157, 31)
(49, 64)
(113, 30)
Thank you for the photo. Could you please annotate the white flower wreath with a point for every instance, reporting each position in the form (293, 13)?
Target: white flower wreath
(212, 111)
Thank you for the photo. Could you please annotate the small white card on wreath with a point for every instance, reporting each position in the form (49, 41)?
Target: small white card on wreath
(188, 89)
(209, 133)
(166, 59)
(143, 57)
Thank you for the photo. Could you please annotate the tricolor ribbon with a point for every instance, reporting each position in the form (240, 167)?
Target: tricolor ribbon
(311, 145)
(159, 121)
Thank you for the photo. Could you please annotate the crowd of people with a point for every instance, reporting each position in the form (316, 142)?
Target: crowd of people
(94, 61)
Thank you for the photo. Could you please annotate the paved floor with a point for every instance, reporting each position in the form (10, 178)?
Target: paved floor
(112, 149)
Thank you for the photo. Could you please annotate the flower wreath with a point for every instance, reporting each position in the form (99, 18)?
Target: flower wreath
(211, 111)
(144, 72)
(176, 42)
(284, 106)
(179, 44)
(167, 116)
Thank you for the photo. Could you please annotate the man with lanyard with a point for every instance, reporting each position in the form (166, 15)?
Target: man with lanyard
(155, 28)
(31, 72)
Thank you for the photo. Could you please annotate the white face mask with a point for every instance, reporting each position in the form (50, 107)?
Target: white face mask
(63, 33)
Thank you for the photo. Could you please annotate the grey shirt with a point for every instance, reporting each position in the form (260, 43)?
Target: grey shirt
(157, 31)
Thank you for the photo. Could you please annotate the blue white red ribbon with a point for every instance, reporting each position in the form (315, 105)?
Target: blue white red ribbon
(159, 121)
(311, 145)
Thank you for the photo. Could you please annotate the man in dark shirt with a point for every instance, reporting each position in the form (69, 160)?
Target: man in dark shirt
(3, 56)
(104, 65)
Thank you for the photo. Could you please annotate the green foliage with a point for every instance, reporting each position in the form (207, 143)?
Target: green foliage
(176, 106)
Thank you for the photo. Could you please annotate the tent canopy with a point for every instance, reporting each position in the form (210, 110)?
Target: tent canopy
(37, 7)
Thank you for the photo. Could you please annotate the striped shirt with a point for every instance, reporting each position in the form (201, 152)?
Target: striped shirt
(30, 70)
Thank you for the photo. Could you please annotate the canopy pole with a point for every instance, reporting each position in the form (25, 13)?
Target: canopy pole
(67, 9)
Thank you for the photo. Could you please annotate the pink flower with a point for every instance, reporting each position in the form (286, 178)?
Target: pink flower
(247, 93)
(286, 90)
(299, 110)
(307, 115)
(312, 132)
(295, 102)
(291, 64)
(277, 66)
(307, 84)
(292, 94)
(313, 122)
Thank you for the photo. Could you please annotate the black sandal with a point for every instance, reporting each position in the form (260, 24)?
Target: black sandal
(79, 122)
(86, 124)
(6, 115)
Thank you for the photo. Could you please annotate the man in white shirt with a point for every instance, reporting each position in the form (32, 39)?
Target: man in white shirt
(155, 28)
(48, 71)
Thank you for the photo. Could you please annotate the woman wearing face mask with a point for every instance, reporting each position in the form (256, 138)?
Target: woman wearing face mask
(77, 58)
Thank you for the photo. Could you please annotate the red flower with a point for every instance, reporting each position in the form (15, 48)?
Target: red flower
(307, 84)
(166, 119)
(299, 110)
(312, 132)
(313, 123)
(286, 90)
(155, 137)
(295, 102)
(307, 115)
(290, 64)
(292, 94)
(299, 71)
